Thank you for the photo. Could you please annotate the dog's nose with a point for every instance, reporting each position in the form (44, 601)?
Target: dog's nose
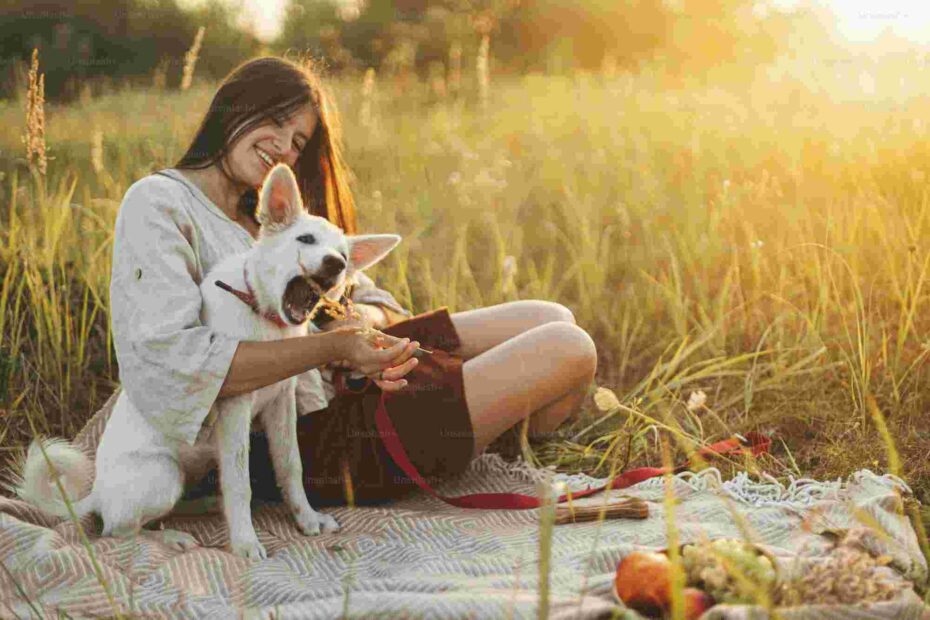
(332, 266)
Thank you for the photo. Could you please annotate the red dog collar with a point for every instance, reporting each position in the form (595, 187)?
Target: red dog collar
(249, 299)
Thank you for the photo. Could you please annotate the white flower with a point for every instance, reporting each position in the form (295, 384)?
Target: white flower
(455, 178)
(606, 400)
(508, 271)
(509, 266)
(758, 243)
(696, 400)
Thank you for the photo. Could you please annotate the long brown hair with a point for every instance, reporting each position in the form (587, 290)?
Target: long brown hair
(273, 88)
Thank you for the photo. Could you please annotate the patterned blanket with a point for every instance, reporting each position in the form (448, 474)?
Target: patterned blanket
(421, 558)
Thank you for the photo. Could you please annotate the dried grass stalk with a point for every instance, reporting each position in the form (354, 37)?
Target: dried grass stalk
(455, 67)
(482, 70)
(190, 59)
(35, 118)
(368, 94)
(160, 74)
(96, 150)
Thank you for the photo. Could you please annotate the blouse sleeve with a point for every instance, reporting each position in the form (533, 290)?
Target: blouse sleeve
(170, 365)
(366, 292)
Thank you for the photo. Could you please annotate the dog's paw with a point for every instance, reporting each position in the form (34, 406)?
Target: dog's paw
(249, 549)
(328, 523)
(312, 522)
(175, 539)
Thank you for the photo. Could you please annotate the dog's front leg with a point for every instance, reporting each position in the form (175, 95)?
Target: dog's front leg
(279, 420)
(232, 449)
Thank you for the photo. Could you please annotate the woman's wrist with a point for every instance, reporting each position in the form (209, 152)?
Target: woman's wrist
(332, 343)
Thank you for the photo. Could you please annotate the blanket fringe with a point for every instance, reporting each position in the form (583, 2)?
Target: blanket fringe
(799, 493)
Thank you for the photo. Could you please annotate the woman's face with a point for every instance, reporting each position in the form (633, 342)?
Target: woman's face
(274, 141)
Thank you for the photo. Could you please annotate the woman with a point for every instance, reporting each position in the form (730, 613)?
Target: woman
(491, 368)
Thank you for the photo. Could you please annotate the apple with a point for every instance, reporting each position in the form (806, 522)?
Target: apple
(643, 581)
(696, 603)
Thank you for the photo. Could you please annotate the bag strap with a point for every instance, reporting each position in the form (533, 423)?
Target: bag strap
(752, 444)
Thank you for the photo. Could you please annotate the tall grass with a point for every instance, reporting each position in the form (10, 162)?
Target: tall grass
(762, 244)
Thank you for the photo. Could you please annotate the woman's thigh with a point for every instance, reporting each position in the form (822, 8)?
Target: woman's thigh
(483, 328)
(510, 381)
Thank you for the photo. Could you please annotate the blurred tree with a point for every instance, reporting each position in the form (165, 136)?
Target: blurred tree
(541, 34)
(525, 34)
(734, 35)
(82, 42)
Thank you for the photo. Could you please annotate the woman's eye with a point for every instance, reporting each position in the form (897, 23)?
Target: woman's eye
(297, 145)
(308, 239)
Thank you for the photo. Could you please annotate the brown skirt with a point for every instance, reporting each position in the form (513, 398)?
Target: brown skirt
(340, 447)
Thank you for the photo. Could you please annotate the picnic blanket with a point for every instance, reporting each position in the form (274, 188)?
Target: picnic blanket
(421, 558)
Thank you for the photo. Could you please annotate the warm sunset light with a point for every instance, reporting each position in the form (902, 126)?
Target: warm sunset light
(867, 20)
(663, 266)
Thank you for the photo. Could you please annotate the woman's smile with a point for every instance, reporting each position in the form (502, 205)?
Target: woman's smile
(266, 159)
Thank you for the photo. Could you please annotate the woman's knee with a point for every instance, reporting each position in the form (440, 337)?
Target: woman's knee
(545, 311)
(577, 349)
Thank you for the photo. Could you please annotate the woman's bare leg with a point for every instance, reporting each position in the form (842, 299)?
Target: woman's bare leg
(542, 370)
(483, 328)
(548, 419)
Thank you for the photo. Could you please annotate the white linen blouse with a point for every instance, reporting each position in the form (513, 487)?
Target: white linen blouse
(168, 235)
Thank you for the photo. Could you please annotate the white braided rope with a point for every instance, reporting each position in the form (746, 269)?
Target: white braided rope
(799, 493)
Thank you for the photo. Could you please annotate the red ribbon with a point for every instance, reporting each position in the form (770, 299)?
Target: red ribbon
(754, 444)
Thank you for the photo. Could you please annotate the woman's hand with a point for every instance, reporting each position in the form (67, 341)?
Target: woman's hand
(385, 361)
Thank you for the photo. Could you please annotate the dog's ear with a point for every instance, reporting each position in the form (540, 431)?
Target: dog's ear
(280, 202)
(366, 250)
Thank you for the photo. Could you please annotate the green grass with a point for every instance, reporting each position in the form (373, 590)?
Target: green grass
(764, 247)
(704, 238)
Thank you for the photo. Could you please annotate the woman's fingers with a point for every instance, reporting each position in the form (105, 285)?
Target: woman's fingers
(391, 378)
(391, 386)
(398, 353)
(396, 372)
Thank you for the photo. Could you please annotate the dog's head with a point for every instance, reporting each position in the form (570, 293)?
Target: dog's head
(295, 248)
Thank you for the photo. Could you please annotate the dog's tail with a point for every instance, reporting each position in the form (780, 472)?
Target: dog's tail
(48, 463)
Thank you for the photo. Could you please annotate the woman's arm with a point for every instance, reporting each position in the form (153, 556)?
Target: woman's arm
(257, 364)
(171, 365)
(379, 308)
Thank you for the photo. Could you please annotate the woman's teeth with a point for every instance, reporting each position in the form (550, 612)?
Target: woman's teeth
(264, 157)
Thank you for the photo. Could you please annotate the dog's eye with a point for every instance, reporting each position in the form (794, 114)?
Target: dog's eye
(308, 239)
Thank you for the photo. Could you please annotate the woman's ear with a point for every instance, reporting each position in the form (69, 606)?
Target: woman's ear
(279, 202)
(366, 250)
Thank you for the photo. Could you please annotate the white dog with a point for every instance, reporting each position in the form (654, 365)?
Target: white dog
(272, 279)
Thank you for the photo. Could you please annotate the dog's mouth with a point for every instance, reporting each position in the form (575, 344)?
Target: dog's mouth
(300, 296)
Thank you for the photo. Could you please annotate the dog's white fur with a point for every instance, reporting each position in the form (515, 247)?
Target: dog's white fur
(139, 473)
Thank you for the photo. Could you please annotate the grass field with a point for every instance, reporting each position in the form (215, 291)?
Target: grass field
(761, 243)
